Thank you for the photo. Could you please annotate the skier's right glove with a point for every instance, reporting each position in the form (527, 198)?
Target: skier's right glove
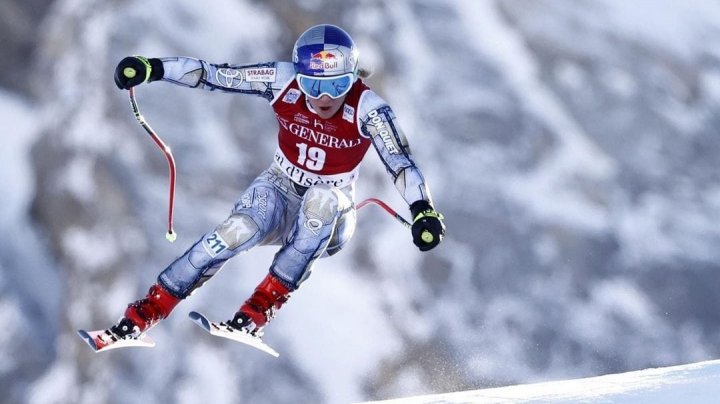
(427, 228)
(134, 70)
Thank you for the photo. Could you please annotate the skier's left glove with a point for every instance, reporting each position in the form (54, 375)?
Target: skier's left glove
(134, 70)
(427, 228)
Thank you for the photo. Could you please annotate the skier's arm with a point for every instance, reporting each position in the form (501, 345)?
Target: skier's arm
(266, 80)
(378, 122)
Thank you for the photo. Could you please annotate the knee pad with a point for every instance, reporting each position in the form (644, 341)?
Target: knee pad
(205, 258)
(254, 217)
(322, 204)
(237, 229)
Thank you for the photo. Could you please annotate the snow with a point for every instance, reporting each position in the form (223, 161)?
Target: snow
(14, 156)
(16, 178)
(339, 344)
(693, 383)
(669, 24)
(52, 387)
(546, 190)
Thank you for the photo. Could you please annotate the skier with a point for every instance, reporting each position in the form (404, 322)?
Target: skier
(304, 202)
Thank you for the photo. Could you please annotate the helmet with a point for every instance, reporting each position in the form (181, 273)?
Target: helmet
(326, 62)
(325, 50)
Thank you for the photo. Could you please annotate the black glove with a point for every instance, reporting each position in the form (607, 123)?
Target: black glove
(427, 228)
(134, 70)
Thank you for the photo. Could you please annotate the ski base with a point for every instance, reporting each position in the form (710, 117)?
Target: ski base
(225, 331)
(105, 340)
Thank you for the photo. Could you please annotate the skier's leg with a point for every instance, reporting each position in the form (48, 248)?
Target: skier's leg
(323, 208)
(253, 220)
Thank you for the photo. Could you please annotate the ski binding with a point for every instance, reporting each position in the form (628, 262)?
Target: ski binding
(105, 340)
(225, 331)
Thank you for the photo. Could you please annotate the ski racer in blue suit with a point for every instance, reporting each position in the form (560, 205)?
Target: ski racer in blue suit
(328, 118)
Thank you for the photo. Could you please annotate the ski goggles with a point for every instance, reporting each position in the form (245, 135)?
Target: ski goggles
(334, 87)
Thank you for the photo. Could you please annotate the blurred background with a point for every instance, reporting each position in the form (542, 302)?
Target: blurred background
(571, 145)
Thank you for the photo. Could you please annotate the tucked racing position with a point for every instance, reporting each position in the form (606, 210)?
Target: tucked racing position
(304, 201)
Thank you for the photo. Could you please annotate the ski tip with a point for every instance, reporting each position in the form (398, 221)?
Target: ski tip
(271, 351)
(88, 339)
(103, 340)
(200, 320)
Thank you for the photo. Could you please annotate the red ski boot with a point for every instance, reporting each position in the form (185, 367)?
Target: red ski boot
(143, 314)
(261, 307)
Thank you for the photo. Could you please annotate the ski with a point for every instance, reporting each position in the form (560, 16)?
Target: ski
(105, 340)
(225, 331)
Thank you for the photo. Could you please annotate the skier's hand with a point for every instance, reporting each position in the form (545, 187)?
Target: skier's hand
(134, 70)
(427, 228)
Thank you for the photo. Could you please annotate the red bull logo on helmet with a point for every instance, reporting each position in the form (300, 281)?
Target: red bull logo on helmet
(324, 60)
(323, 56)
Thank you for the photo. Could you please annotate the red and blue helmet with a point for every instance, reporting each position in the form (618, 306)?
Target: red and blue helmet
(326, 61)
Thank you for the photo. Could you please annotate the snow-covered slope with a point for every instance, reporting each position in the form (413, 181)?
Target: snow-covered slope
(697, 383)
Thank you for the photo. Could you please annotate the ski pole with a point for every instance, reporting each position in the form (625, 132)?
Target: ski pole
(387, 209)
(426, 235)
(171, 235)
